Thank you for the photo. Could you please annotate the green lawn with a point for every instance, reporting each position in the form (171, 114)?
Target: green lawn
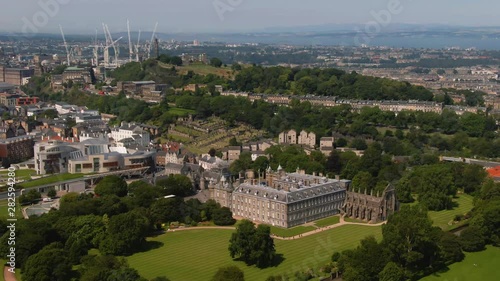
(51, 179)
(4, 214)
(328, 221)
(354, 220)
(24, 174)
(289, 232)
(197, 254)
(476, 266)
(444, 219)
(180, 111)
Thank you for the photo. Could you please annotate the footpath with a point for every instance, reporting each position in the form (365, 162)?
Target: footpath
(342, 222)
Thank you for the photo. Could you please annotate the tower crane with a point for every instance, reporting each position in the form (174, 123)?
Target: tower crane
(151, 41)
(130, 49)
(68, 55)
(138, 46)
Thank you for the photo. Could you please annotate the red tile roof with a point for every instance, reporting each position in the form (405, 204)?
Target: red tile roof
(494, 172)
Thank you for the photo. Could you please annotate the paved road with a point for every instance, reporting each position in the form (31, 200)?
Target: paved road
(7, 275)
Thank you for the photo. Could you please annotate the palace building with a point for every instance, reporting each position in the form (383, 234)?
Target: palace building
(289, 199)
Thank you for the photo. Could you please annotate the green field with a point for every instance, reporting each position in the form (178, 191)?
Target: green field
(24, 174)
(197, 254)
(476, 266)
(289, 232)
(354, 220)
(444, 218)
(21, 175)
(4, 214)
(328, 221)
(180, 111)
(51, 179)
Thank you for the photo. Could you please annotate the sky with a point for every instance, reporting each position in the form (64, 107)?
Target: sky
(202, 16)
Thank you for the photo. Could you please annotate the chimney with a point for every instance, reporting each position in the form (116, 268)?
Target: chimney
(337, 177)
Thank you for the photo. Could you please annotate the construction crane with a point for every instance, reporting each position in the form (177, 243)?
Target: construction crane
(151, 41)
(110, 43)
(138, 46)
(95, 59)
(68, 55)
(130, 49)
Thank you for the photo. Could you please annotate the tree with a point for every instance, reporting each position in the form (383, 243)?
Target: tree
(167, 210)
(229, 273)
(392, 272)
(50, 113)
(236, 67)
(178, 185)
(52, 193)
(359, 144)
(124, 274)
(111, 185)
(212, 152)
(100, 267)
(365, 262)
(341, 142)
(450, 248)
(215, 62)
(472, 239)
(263, 249)
(223, 216)
(253, 246)
(411, 239)
(51, 263)
(30, 196)
(125, 233)
(363, 182)
(241, 244)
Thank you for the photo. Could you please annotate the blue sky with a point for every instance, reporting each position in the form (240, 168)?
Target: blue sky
(84, 16)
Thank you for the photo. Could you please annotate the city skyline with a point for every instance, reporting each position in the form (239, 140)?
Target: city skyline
(205, 16)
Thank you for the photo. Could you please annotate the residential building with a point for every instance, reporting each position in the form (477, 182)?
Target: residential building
(15, 150)
(288, 137)
(131, 130)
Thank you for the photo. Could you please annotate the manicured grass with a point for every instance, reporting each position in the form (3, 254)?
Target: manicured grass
(476, 266)
(4, 213)
(444, 219)
(197, 254)
(284, 232)
(354, 220)
(50, 179)
(24, 174)
(180, 111)
(328, 221)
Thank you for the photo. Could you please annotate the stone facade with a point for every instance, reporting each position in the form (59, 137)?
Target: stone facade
(281, 199)
(289, 137)
(371, 208)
